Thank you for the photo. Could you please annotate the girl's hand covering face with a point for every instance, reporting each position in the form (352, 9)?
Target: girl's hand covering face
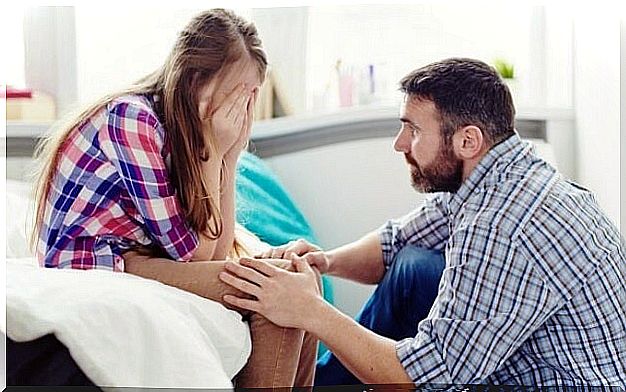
(226, 107)
(244, 136)
(229, 121)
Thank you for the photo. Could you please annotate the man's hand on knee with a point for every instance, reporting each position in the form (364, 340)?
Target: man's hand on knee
(318, 260)
(295, 250)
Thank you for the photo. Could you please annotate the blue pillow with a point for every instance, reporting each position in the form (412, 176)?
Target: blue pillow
(265, 208)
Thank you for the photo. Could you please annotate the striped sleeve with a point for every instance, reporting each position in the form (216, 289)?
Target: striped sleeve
(427, 226)
(131, 142)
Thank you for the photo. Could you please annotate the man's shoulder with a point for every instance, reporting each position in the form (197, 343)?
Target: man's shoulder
(545, 208)
(510, 199)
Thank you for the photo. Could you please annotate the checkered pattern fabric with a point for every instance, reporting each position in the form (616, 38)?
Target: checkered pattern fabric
(534, 285)
(111, 191)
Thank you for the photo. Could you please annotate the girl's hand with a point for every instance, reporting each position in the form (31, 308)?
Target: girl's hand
(242, 141)
(226, 123)
(299, 249)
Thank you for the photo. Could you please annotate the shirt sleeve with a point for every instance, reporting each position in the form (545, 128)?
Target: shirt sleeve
(490, 301)
(426, 226)
(131, 142)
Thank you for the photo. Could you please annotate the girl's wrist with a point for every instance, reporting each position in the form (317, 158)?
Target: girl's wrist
(231, 158)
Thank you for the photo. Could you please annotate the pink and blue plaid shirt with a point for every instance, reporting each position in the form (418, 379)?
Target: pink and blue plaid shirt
(111, 192)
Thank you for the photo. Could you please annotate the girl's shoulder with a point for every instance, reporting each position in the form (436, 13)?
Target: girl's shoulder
(133, 106)
(136, 109)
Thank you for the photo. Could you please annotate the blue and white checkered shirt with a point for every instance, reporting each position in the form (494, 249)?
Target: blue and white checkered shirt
(534, 285)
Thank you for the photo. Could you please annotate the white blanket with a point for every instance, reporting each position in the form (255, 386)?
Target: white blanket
(126, 331)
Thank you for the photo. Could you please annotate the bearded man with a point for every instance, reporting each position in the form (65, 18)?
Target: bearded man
(509, 274)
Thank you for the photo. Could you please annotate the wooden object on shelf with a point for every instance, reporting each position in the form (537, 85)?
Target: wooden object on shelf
(271, 101)
(39, 107)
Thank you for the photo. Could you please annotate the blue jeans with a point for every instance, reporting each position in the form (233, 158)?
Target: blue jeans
(403, 298)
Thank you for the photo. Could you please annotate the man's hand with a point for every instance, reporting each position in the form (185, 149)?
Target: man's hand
(292, 299)
(283, 297)
(310, 253)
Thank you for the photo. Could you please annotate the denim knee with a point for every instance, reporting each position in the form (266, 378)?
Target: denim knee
(416, 264)
(412, 282)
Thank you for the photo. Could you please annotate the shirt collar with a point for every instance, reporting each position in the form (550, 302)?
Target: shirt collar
(498, 157)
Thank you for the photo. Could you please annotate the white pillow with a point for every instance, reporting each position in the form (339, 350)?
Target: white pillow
(19, 213)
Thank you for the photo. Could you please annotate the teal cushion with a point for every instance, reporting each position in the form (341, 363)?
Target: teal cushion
(265, 208)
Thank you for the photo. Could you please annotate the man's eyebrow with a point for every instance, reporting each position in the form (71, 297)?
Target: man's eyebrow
(411, 123)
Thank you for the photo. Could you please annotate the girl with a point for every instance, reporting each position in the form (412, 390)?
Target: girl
(142, 182)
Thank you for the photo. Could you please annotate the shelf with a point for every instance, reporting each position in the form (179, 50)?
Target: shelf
(22, 129)
(268, 128)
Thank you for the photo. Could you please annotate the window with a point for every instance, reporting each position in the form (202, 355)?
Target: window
(12, 68)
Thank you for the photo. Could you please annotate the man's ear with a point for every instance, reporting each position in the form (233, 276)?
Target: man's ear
(469, 142)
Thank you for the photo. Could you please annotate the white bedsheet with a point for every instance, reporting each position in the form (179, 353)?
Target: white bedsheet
(125, 331)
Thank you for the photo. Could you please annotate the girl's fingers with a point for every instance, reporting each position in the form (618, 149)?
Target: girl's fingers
(239, 104)
(277, 253)
(240, 116)
(203, 110)
(247, 121)
(264, 255)
(231, 98)
(250, 112)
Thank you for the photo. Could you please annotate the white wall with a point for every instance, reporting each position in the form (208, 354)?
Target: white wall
(12, 71)
(50, 54)
(284, 33)
(623, 126)
(597, 104)
(116, 48)
(3, 250)
(558, 54)
(400, 38)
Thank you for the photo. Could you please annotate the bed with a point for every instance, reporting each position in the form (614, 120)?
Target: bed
(298, 168)
(70, 327)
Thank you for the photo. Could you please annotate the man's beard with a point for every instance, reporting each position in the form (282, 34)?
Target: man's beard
(445, 174)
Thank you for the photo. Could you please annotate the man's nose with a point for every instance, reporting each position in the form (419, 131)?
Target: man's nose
(401, 142)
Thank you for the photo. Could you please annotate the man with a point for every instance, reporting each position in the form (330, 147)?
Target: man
(516, 274)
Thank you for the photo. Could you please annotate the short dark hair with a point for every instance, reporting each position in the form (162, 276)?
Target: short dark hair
(465, 92)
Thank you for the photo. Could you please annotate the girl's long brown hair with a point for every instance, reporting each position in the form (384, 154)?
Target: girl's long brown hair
(212, 40)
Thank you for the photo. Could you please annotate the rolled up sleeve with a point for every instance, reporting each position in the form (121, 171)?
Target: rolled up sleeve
(426, 226)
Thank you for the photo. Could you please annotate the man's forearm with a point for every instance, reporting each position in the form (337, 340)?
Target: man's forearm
(370, 357)
(360, 261)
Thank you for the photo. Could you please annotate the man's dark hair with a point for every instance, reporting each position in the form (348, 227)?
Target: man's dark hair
(465, 92)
